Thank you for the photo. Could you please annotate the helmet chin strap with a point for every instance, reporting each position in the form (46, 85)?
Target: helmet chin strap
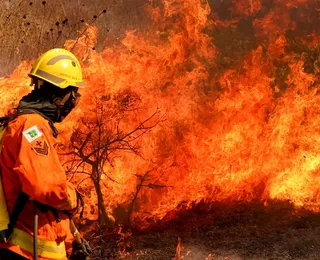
(65, 104)
(60, 102)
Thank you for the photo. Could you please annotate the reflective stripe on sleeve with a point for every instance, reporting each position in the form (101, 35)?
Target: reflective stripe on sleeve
(48, 249)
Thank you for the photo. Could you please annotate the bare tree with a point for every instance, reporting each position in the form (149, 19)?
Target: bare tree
(101, 135)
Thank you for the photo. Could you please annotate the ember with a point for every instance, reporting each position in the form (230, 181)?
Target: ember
(218, 102)
(178, 250)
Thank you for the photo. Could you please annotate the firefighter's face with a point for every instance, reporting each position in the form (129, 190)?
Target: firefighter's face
(68, 102)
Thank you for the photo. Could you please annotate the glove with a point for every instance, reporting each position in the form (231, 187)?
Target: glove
(79, 208)
(81, 251)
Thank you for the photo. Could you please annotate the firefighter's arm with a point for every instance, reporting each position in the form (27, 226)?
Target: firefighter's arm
(41, 174)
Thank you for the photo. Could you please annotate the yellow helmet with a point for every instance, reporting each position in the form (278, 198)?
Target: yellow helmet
(58, 67)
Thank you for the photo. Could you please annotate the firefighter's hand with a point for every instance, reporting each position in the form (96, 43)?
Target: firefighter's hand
(81, 251)
(79, 208)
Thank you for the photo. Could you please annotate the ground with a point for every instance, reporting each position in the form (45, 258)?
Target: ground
(233, 232)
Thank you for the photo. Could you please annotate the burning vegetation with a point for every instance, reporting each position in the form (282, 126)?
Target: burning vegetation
(207, 123)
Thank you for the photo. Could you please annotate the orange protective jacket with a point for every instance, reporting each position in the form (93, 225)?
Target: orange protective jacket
(29, 162)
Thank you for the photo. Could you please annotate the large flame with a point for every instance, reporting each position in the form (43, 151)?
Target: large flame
(239, 94)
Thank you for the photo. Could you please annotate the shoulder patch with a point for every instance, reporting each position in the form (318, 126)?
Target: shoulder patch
(40, 147)
(32, 133)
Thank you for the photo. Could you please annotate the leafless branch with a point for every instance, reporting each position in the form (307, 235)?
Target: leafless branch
(111, 179)
(82, 181)
(156, 186)
(135, 196)
(80, 151)
(142, 179)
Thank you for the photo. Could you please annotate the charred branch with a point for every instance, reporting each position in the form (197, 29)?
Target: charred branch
(142, 179)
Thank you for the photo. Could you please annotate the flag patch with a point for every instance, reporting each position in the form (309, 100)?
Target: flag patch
(32, 133)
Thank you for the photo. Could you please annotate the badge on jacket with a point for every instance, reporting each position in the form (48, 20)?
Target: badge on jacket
(41, 147)
(32, 133)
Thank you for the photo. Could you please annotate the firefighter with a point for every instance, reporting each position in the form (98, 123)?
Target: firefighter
(32, 175)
